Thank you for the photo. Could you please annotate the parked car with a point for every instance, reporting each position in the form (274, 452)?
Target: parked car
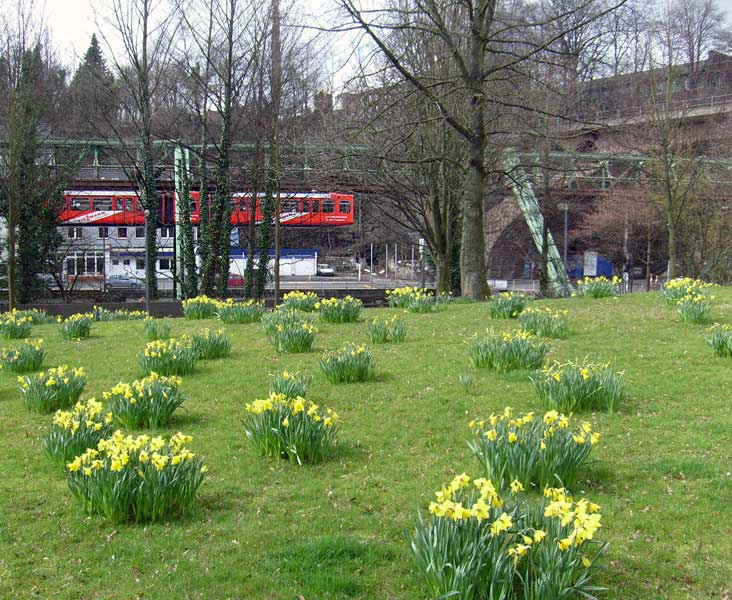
(325, 270)
(118, 282)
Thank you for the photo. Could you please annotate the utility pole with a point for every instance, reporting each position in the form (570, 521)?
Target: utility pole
(565, 207)
(147, 263)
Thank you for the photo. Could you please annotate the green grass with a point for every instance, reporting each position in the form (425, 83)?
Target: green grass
(266, 529)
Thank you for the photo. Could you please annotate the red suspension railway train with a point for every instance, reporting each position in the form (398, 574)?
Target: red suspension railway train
(122, 207)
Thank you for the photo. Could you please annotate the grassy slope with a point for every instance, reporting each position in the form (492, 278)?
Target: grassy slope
(266, 529)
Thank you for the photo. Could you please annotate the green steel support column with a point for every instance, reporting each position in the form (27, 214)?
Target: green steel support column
(521, 185)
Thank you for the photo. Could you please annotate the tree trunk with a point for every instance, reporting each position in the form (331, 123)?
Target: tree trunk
(672, 251)
(474, 276)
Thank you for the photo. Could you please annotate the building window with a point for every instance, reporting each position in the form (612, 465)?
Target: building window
(85, 263)
(102, 203)
(139, 232)
(115, 262)
(140, 264)
(75, 233)
(103, 232)
(126, 262)
(121, 232)
(165, 264)
(167, 233)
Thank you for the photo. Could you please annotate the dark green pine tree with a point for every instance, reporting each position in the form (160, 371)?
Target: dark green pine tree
(93, 93)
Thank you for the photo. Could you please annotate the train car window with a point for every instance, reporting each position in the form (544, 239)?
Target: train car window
(124, 204)
(315, 206)
(79, 204)
(345, 207)
(328, 206)
(234, 204)
(102, 204)
(289, 205)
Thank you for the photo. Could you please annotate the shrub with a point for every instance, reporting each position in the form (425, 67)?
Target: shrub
(148, 402)
(508, 351)
(76, 327)
(211, 344)
(157, 329)
(291, 385)
(100, 313)
(200, 307)
(169, 357)
(231, 312)
(598, 287)
(545, 322)
(291, 428)
(289, 330)
(535, 451)
(721, 340)
(348, 364)
(678, 288)
(25, 358)
(304, 301)
(694, 308)
(56, 388)
(477, 544)
(339, 310)
(14, 325)
(507, 305)
(387, 329)
(72, 432)
(136, 478)
(569, 387)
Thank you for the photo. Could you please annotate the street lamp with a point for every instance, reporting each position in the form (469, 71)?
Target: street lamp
(147, 264)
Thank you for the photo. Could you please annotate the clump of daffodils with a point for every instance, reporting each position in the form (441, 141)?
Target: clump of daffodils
(534, 450)
(169, 357)
(304, 301)
(290, 330)
(387, 330)
(570, 387)
(507, 305)
(211, 344)
(15, 325)
(339, 310)
(148, 402)
(290, 383)
(682, 287)
(598, 287)
(721, 340)
(73, 431)
(291, 428)
(402, 297)
(25, 358)
(508, 351)
(232, 312)
(76, 327)
(477, 537)
(200, 307)
(545, 322)
(694, 308)
(351, 363)
(59, 387)
(157, 329)
(126, 478)
(104, 314)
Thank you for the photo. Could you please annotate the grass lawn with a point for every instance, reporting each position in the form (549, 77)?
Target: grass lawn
(269, 529)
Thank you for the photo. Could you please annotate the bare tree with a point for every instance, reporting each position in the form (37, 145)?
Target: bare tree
(485, 43)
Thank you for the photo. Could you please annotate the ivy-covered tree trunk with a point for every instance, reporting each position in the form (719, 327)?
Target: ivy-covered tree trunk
(189, 277)
(249, 283)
